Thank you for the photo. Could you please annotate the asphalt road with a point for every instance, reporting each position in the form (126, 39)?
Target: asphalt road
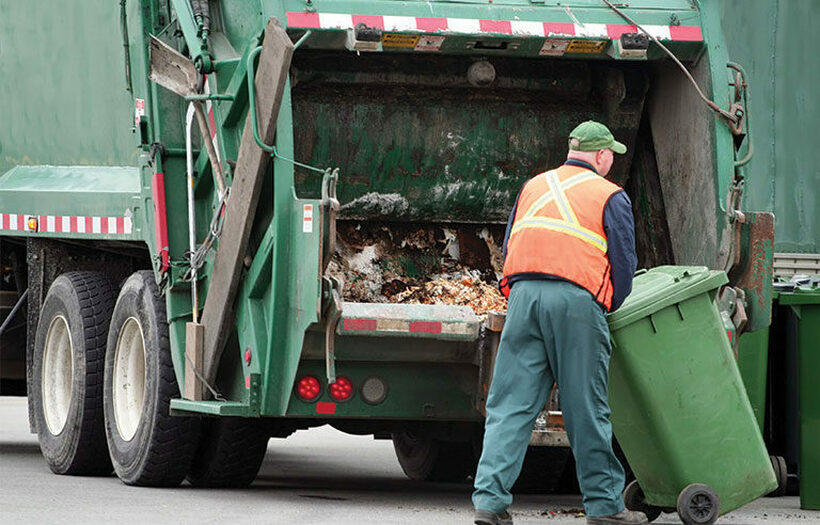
(319, 476)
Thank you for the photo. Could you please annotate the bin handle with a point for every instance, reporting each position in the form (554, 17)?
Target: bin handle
(640, 272)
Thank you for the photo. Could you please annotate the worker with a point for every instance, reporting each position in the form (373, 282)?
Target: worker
(569, 258)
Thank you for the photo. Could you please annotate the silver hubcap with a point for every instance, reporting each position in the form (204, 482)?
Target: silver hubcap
(129, 378)
(58, 374)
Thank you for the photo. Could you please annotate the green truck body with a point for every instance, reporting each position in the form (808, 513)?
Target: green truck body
(93, 171)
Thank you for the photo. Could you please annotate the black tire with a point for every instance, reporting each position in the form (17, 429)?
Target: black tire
(782, 474)
(634, 499)
(230, 452)
(78, 304)
(424, 458)
(159, 447)
(698, 504)
(542, 471)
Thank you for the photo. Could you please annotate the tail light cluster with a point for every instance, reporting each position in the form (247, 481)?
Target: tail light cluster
(373, 389)
(309, 389)
(341, 390)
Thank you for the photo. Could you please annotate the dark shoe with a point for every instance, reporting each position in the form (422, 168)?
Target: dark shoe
(486, 517)
(625, 517)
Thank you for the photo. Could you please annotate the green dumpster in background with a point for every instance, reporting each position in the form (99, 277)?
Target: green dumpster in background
(805, 303)
(753, 363)
(679, 408)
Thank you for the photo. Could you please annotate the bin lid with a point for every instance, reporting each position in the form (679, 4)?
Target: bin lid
(800, 295)
(655, 289)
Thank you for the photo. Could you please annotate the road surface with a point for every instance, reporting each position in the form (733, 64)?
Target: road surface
(320, 476)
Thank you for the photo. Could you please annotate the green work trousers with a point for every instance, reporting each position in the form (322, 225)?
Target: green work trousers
(554, 331)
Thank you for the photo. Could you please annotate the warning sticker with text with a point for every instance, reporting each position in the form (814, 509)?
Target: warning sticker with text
(554, 47)
(398, 40)
(587, 46)
(429, 43)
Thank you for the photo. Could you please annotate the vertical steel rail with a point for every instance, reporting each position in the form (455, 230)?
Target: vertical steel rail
(189, 161)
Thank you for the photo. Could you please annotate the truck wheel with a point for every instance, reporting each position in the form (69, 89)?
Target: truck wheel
(542, 470)
(698, 504)
(148, 446)
(67, 368)
(425, 458)
(230, 452)
(634, 499)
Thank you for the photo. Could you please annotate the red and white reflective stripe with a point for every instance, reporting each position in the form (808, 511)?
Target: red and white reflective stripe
(405, 326)
(477, 26)
(12, 222)
(68, 224)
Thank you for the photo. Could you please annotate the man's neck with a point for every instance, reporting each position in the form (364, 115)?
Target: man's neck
(581, 164)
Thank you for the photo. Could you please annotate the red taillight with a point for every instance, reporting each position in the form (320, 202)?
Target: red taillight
(308, 389)
(341, 390)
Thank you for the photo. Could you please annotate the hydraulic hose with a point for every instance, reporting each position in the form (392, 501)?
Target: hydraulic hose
(202, 14)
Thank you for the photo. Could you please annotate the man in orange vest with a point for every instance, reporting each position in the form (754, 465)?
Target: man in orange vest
(569, 257)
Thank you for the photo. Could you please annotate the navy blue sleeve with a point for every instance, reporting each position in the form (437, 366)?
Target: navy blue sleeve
(620, 238)
(509, 226)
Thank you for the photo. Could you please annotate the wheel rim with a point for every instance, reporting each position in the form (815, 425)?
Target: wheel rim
(129, 378)
(701, 507)
(58, 374)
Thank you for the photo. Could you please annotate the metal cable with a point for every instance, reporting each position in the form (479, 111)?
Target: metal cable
(13, 312)
(197, 257)
(717, 109)
(212, 390)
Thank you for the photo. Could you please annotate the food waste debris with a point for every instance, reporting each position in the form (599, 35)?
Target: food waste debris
(413, 264)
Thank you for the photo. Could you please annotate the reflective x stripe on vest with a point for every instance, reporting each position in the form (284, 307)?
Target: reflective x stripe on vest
(568, 223)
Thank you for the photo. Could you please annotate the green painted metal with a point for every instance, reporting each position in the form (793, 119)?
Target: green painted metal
(783, 71)
(679, 408)
(412, 140)
(70, 190)
(211, 408)
(805, 302)
(753, 363)
(458, 323)
(72, 110)
(422, 391)
(73, 191)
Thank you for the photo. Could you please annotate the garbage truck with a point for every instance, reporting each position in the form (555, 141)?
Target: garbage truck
(223, 221)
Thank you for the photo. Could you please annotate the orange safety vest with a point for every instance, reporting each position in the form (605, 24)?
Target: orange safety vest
(558, 230)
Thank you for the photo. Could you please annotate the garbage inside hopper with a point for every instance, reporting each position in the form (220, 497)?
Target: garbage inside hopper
(420, 264)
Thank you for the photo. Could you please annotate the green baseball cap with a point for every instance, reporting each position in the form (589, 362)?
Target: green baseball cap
(592, 136)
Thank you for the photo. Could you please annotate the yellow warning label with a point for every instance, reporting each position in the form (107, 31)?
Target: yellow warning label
(586, 46)
(397, 40)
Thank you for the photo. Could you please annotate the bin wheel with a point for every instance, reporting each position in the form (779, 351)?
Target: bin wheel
(781, 472)
(634, 499)
(698, 504)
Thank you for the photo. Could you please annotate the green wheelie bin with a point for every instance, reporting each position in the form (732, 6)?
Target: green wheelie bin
(804, 302)
(679, 408)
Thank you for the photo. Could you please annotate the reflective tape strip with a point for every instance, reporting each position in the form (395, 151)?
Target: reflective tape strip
(579, 232)
(368, 325)
(425, 24)
(68, 224)
(567, 184)
(591, 30)
(406, 326)
(564, 207)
